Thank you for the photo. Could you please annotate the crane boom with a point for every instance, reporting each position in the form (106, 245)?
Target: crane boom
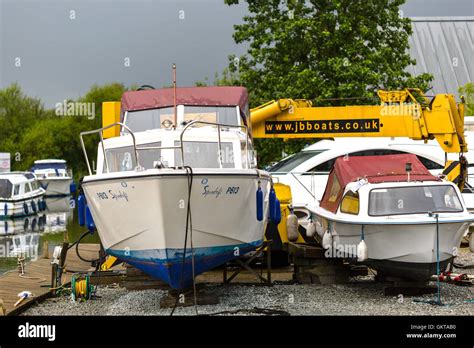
(398, 115)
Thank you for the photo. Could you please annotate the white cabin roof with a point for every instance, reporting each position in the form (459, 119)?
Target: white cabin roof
(17, 177)
(46, 161)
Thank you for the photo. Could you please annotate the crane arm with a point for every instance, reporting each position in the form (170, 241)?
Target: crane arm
(398, 115)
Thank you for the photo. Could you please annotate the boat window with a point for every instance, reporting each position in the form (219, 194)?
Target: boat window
(215, 114)
(27, 187)
(139, 121)
(350, 203)
(429, 164)
(34, 185)
(16, 190)
(122, 159)
(29, 176)
(5, 188)
(414, 200)
(205, 154)
(289, 163)
(149, 157)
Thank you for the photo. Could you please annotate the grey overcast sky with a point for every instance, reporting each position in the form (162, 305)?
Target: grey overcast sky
(60, 56)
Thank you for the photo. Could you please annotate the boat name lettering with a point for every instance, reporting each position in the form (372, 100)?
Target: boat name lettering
(232, 190)
(119, 195)
(212, 192)
(102, 195)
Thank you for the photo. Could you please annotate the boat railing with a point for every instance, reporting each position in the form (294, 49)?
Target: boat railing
(100, 131)
(177, 147)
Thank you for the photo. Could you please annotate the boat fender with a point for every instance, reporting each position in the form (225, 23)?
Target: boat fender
(271, 203)
(89, 220)
(81, 209)
(319, 228)
(33, 206)
(292, 227)
(471, 242)
(311, 229)
(6, 227)
(72, 187)
(5, 209)
(362, 254)
(327, 240)
(25, 208)
(259, 197)
(277, 217)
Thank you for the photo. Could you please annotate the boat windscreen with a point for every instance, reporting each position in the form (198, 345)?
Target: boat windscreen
(200, 154)
(414, 200)
(122, 159)
(5, 188)
(215, 114)
(289, 163)
(140, 121)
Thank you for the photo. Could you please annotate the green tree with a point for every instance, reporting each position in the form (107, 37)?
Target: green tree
(468, 91)
(32, 132)
(321, 49)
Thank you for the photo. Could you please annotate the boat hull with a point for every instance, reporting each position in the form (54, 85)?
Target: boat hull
(56, 186)
(399, 249)
(141, 219)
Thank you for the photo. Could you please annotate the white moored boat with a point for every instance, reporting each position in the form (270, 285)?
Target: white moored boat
(54, 176)
(20, 195)
(408, 221)
(161, 194)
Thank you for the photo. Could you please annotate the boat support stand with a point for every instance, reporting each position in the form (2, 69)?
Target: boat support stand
(266, 246)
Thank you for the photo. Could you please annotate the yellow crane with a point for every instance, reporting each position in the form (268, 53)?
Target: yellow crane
(399, 114)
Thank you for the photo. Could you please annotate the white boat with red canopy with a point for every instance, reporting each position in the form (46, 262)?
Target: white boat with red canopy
(176, 199)
(390, 213)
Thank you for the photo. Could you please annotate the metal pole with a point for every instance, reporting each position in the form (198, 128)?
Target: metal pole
(220, 146)
(174, 97)
(437, 258)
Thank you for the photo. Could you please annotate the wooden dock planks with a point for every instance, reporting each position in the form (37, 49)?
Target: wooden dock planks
(11, 283)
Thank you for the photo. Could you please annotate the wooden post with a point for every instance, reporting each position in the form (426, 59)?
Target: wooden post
(45, 249)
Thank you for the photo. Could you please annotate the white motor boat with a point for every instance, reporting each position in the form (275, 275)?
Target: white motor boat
(307, 171)
(400, 223)
(176, 202)
(54, 176)
(20, 195)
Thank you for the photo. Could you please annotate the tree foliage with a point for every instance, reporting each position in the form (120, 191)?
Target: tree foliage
(321, 49)
(468, 91)
(30, 132)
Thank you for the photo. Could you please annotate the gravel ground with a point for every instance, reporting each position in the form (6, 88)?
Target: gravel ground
(360, 297)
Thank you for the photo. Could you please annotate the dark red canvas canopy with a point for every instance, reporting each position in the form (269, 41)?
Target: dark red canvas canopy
(376, 169)
(191, 96)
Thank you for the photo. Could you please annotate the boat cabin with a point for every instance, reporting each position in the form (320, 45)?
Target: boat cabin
(51, 168)
(391, 185)
(212, 130)
(16, 185)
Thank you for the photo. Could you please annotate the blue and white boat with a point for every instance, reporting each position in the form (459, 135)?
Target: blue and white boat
(54, 176)
(20, 195)
(178, 201)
